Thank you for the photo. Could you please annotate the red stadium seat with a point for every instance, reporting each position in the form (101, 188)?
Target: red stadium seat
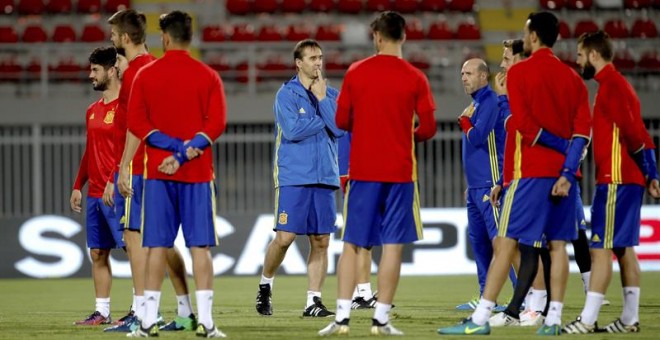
(33, 69)
(239, 7)
(59, 6)
(567, 58)
(624, 61)
(322, 5)
(213, 33)
(242, 75)
(34, 34)
(584, 26)
(579, 4)
(637, 3)
(644, 28)
(265, 6)
(650, 61)
(10, 70)
(219, 63)
(112, 6)
(269, 33)
(275, 68)
(333, 65)
(379, 5)
(7, 6)
(328, 32)
(30, 7)
(89, 6)
(8, 34)
(468, 31)
(67, 69)
(64, 33)
(293, 6)
(616, 28)
(297, 32)
(243, 32)
(350, 6)
(433, 5)
(406, 6)
(419, 60)
(92, 33)
(564, 30)
(552, 4)
(414, 30)
(440, 31)
(461, 5)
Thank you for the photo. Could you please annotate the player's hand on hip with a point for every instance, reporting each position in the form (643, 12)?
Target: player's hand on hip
(561, 187)
(319, 86)
(495, 194)
(123, 182)
(500, 83)
(169, 165)
(108, 194)
(654, 189)
(76, 199)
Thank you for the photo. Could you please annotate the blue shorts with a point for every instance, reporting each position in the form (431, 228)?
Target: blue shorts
(305, 209)
(168, 204)
(482, 216)
(529, 213)
(377, 213)
(616, 216)
(128, 209)
(101, 224)
(579, 210)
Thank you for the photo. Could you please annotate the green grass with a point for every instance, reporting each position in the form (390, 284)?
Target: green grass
(47, 308)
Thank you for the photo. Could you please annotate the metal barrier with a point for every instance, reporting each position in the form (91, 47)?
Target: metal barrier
(39, 165)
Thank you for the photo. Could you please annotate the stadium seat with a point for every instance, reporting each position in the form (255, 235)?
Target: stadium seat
(643, 28)
(59, 6)
(579, 4)
(440, 30)
(242, 75)
(349, 6)
(433, 5)
(414, 30)
(406, 6)
(265, 6)
(7, 7)
(89, 6)
(239, 7)
(617, 29)
(67, 69)
(269, 32)
(461, 5)
(564, 30)
(623, 60)
(33, 69)
(297, 32)
(213, 33)
(243, 32)
(328, 32)
(584, 26)
(64, 33)
(649, 62)
(10, 70)
(112, 6)
(8, 34)
(30, 7)
(637, 3)
(322, 5)
(92, 33)
(419, 60)
(567, 58)
(293, 6)
(552, 4)
(34, 34)
(609, 4)
(468, 31)
(275, 68)
(219, 63)
(333, 65)
(379, 5)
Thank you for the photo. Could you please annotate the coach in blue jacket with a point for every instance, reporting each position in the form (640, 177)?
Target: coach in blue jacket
(306, 175)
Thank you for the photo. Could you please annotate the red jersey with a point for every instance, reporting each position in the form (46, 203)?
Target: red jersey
(618, 130)
(137, 166)
(97, 164)
(180, 97)
(378, 102)
(545, 93)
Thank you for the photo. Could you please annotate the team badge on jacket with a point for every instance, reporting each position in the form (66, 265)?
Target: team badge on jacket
(109, 117)
(283, 218)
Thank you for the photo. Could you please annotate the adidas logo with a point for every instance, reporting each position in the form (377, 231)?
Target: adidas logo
(595, 238)
(315, 311)
(486, 198)
(301, 110)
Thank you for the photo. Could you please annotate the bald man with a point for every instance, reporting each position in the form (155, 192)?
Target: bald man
(483, 148)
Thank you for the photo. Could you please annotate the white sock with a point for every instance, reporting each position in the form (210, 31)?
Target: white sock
(355, 293)
(382, 312)
(184, 307)
(591, 308)
(103, 306)
(152, 304)
(554, 313)
(538, 299)
(481, 314)
(204, 307)
(364, 290)
(134, 305)
(630, 314)
(343, 310)
(310, 297)
(267, 280)
(528, 301)
(140, 306)
(586, 276)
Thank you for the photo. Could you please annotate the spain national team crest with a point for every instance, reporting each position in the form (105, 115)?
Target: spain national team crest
(109, 117)
(283, 218)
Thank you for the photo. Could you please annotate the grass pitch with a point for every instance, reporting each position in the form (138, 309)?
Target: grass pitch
(47, 308)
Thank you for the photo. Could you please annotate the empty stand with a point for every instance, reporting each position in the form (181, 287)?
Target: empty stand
(269, 32)
(64, 33)
(89, 6)
(93, 33)
(265, 6)
(297, 32)
(34, 34)
(617, 29)
(243, 32)
(30, 7)
(350, 6)
(406, 6)
(584, 26)
(440, 30)
(239, 7)
(8, 34)
(293, 6)
(328, 32)
(379, 5)
(112, 6)
(7, 6)
(59, 6)
(214, 33)
(644, 28)
(579, 4)
(322, 5)
(552, 4)
(433, 5)
(461, 5)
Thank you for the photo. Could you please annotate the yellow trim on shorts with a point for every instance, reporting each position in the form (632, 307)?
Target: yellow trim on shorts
(419, 227)
(506, 209)
(610, 210)
(213, 209)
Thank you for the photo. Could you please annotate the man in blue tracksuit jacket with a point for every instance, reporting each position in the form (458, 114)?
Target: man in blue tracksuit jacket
(306, 175)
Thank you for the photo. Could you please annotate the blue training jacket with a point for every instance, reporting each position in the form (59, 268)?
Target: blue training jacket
(483, 145)
(305, 136)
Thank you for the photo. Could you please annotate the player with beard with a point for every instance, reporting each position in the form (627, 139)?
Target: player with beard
(625, 164)
(95, 168)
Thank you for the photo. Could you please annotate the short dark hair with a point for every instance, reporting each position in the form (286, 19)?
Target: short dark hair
(391, 25)
(121, 51)
(131, 22)
(546, 26)
(516, 45)
(104, 56)
(302, 45)
(178, 25)
(598, 41)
